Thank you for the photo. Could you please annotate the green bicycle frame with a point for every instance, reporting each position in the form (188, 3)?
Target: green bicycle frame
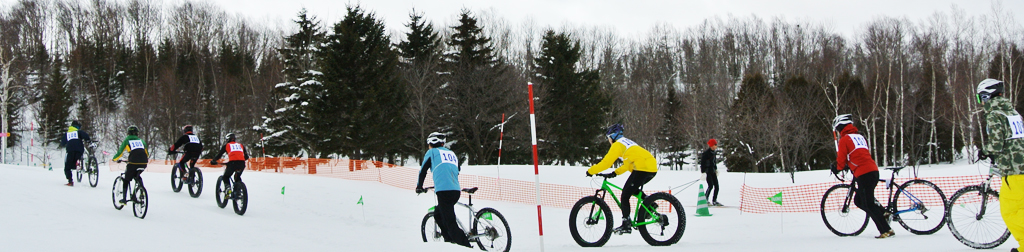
(607, 187)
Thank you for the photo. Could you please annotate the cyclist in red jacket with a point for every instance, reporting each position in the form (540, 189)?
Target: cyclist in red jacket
(236, 159)
(853, 153)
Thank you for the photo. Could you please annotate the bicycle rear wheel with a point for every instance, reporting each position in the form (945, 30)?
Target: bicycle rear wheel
(78, 171)
(140, 204)
(670, 220)
(195, 185)
(117, 191)
(176, 175)
(839, 213)
(971, 226)
(492, 231)
(221, 193)
(240, 199)
(94, 172)
(429, 229)
(928, 204)
(590, 222)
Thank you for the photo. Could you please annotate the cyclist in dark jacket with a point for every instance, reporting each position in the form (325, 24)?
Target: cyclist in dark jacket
(72, 141)
(193, 148)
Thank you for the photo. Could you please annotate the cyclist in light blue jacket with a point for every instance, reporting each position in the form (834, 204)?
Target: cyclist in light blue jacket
(444, 164)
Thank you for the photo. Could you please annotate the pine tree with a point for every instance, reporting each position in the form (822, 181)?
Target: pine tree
(288, 123)
(420, 63)
(671, 133)
(575, 107)
(56, 104)
(363, 99)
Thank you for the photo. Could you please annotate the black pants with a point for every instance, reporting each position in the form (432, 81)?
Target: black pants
(444, 216)
(236, 167)
(636, 180)
(712, 183)
(131, 171)
(192, 158)
(70, 161)
(865, 199)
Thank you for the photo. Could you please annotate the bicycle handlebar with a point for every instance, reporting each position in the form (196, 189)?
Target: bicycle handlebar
(606, 175)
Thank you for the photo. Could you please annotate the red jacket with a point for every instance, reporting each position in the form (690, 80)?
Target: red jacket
(853, 152)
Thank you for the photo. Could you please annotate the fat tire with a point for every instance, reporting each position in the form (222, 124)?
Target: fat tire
(221, 197)
(196, 187)
(241, 201)
(585, 202)
(680, 226)
(929, 229)
(831, 193)
(176, 175)
(495, 217)
(971, 190)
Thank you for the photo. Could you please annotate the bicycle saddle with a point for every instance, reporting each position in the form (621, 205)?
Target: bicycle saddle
(470, 190)
(895, 169)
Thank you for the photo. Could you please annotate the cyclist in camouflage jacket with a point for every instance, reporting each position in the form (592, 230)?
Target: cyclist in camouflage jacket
(1006, 146)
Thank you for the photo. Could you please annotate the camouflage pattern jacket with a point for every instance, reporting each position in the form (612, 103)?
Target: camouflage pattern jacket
(1007, 151)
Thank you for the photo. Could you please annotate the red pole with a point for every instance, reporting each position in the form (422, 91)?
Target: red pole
(536, 170)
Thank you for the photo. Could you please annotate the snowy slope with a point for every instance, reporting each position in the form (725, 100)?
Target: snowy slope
(321, 214)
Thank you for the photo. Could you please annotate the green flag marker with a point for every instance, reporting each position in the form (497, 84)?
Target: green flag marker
(777, 199)
(282, 190)
(360, 200)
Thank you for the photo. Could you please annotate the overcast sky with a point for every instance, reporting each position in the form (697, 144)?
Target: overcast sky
(628, 18)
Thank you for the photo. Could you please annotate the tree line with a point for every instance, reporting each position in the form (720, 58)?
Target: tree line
(767, 89)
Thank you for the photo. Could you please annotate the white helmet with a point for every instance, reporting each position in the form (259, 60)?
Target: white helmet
(436, 139)
(987, 88)
(843, 119)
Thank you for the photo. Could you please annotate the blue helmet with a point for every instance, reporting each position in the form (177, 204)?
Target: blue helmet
(615, 131)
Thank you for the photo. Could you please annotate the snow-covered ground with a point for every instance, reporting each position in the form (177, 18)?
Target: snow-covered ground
(315, 213)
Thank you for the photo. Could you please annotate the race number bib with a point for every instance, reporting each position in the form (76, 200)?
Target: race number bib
(628, 143)
(235, 147)
(1016, 126)
(448, 157)
(193, 139)
(72, 135)
(858, 141)
(136, 144)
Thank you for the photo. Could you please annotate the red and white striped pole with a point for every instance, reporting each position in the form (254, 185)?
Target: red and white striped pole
(536, 171)
(501, 137)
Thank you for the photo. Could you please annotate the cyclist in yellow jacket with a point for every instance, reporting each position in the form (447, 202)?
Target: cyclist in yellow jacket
(635, 159)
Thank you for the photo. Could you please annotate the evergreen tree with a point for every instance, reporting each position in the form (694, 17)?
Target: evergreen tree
(745, 148)
(575, 107)
(288, 122)
(671, 133)
(420, 63)
(56, 104)
(363, 97)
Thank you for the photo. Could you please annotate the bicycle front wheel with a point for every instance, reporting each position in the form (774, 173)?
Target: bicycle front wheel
(221, 193)
(117, 191)
(590, 222)
(195, 185)
(141, 202)
(667, 217)
(920, 207)
(839, 213)
(240, 198)
(176, 175)
(94, 172)
(491, 231)
(973, 226)
(429, 229)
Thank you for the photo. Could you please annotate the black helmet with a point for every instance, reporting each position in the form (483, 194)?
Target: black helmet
(76, 124)
(230, 137)
(989, 88)
(436, 139)
(615, 131)
(187, 128)
(133, 130)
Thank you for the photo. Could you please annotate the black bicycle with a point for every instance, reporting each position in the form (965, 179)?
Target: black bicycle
(194, 180)
(918, 205)
(233, 190)
(139, 196)
(88, 165)
(974, 218)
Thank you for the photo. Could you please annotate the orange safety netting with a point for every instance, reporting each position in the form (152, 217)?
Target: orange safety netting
(807, 198)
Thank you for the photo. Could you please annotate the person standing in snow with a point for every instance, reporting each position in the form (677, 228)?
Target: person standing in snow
(709, 167)
(73, 141)
(1005, 131)
(635, 159)
(853, 153)
(444, 165)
